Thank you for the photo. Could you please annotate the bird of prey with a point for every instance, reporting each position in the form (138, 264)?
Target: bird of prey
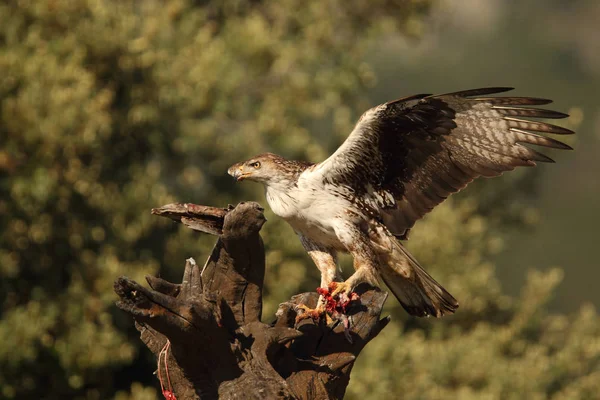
(402, 159)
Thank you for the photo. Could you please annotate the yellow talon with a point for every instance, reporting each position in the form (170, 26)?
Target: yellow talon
(313, 313)
(341, 287)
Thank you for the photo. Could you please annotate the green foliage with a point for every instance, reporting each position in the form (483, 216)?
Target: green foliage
(110, 108)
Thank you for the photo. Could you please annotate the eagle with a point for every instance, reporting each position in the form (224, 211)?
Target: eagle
(401, 159)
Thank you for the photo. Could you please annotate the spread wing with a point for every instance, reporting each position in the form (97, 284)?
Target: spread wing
(408, 155)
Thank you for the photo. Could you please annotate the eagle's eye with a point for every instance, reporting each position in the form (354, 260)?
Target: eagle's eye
(255, 165)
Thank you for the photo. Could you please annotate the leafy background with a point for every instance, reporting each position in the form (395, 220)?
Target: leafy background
(110, 108)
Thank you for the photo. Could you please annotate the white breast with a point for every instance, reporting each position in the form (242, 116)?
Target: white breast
(311, 210)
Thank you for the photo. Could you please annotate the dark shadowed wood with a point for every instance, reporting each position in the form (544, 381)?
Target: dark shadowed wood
(219, 348)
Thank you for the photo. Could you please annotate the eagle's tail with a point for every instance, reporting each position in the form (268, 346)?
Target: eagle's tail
(415, 289)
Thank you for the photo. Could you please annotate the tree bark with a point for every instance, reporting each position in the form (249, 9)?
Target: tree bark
(209, 329)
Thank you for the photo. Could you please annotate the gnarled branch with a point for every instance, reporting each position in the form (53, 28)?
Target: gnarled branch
(218, 346)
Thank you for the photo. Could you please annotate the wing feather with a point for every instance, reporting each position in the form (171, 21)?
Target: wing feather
(418, 150)
(514, 101)
(529, 112)
(537, 126)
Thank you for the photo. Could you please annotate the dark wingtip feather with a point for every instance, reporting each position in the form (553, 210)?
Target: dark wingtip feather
(565, 131)
(554, 114)
(537, 156)
(561, 145)
(483, 91)
(514, 101)
(476, 92)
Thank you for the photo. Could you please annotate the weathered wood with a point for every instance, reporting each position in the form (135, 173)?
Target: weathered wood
(219, 348)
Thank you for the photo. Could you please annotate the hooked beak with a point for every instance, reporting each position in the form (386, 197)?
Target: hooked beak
(237, 171)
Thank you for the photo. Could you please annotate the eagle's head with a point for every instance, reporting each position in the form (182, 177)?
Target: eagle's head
(262, 168)
(268, 169)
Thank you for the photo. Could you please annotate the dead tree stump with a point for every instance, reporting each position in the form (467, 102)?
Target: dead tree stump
(209, 329)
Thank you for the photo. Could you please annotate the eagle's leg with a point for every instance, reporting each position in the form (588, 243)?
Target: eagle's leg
(326, 261)
(327, 264)
(365, 259)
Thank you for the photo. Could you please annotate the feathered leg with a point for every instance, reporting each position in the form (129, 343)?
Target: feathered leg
(365, 259)
(326, 261)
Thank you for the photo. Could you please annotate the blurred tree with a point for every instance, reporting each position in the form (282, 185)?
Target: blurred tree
(106, 108)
